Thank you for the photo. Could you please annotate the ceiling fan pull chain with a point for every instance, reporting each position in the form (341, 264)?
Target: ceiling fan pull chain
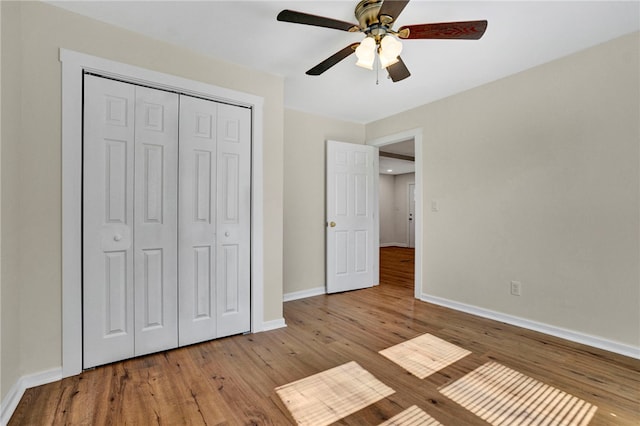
(377, 70)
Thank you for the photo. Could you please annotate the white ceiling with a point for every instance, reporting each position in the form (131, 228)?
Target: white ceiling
(520, 35)
(393, 166)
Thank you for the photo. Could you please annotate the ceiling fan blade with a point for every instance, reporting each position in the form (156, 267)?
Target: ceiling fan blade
(333, 59)
(318, 21)
(392, 8)
(468, 30)
(398, 71)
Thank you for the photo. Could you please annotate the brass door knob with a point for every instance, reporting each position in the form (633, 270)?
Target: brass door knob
(332, 224)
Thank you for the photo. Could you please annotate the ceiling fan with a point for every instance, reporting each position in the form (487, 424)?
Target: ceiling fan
(375, 20)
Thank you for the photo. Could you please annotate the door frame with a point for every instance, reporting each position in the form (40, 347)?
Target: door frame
(73, 66)
(416, 135)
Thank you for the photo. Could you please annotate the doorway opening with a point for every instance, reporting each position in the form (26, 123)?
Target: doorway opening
(400, 218)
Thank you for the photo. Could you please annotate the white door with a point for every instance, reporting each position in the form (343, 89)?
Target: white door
(197, 236)
(215, 149)
(155, 231)
(233, 242)
(352, 207)
(412, 215)
(134, 301)
(130, 221)
(107, 273)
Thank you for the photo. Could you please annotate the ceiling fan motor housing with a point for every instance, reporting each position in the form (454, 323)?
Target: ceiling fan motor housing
(367, 12)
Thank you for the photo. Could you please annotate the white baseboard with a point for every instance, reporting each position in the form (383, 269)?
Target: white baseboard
(11, 400)
(273, 324)
(394, 245)
(563, 333)
(303, 294)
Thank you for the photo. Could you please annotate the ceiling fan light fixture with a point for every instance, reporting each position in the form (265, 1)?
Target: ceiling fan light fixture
(366, 53)
(390, 49)
(376, 19)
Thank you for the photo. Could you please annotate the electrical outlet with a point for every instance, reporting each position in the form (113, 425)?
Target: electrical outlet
(516, 288)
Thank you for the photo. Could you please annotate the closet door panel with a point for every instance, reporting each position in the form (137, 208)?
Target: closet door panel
(108, 162)
(197, 228)
(156, 220)
(233, 220)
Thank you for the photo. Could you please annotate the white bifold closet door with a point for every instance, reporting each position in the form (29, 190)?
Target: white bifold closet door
(129, 220)
(146, 217)
(214, 227)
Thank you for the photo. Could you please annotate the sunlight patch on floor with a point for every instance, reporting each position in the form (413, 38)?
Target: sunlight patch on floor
(329, 396)
(505, 397)
(424, 355)
(412, 416)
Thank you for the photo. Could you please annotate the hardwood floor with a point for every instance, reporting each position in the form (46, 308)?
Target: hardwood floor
(232, 380)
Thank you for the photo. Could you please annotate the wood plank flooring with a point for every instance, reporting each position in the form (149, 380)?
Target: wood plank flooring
(232, 380)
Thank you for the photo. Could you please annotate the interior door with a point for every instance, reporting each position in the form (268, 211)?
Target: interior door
(108, 170)
(412, 215)
(233, 222)
(197, 241)
(352, 208)
(155, 220)
(130, 151)
(215, 195)
(152, 283)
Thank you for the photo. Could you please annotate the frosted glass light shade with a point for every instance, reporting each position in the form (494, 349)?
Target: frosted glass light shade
(366, 53)
(390, 49)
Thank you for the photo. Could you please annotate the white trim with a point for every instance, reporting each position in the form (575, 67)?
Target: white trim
(13, 397)
(376, 224)
(303, 294)
(416, 135)
(73, 65)
(257, 219)
(273, 324)
(563, 333)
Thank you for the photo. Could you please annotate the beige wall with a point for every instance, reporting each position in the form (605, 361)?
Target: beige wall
(9, 243)
(537, 177)
(31, 173)
(304, 188)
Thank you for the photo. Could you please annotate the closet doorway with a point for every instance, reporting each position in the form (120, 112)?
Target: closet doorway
(166, 220)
